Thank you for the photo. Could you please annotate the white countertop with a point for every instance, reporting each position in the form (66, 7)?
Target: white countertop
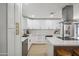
(55, 41)
(23, 38)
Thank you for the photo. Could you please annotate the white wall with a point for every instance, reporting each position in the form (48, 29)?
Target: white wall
(3, 29)
(76, 11)
(24, 24)
(75, 16)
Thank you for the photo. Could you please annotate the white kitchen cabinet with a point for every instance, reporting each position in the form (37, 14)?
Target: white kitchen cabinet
(37, 39)
(33, 24)
(49, 24)
(50, 49)
(52, 24)
(29, 42)
(32, 38)
(76, 11)
(43, 24)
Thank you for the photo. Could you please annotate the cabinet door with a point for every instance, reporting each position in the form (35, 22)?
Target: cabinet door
(42, 24)
(35, 24)
(41, 38)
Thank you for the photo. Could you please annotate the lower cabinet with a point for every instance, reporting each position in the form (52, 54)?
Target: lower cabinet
(66, 50)
(37, 39)
(25, 47)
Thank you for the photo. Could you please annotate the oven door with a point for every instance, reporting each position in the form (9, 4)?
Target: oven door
(25, 47)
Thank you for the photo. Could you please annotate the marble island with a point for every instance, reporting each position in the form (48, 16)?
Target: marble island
(54, 41)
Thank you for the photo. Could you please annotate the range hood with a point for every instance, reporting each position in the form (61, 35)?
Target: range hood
(67, 14)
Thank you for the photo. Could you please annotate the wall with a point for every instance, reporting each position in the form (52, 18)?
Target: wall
(75, 16)
(24, 24)
(76, 11)
(3, 29)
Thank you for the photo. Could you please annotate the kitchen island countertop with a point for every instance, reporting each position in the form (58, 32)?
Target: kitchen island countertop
(56, 41)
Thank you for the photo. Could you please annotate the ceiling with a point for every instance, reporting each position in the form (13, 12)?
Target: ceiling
(43, 10)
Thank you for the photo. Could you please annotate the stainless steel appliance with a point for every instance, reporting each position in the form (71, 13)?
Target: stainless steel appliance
(25, 47)
(68, 23)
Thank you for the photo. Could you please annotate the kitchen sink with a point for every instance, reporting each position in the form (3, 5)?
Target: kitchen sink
(49, 36)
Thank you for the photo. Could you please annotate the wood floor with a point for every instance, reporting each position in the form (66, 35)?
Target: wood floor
(38, 50)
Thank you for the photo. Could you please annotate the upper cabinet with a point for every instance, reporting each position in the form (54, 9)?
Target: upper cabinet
(43, 24)
(76, 11)
(32, 24)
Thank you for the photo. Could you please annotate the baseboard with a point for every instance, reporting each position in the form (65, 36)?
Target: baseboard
(3, 54)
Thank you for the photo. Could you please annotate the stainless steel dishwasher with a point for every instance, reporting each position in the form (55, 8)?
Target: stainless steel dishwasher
(25, 47)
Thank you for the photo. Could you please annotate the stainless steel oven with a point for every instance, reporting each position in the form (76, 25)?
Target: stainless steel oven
(25, 47)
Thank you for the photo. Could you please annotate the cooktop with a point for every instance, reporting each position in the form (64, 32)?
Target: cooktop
(67, 38)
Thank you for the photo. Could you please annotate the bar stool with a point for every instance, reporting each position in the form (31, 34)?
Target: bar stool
(63, 52)
(76, 52)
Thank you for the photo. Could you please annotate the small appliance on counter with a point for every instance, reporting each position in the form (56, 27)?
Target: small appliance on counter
(26, 33)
